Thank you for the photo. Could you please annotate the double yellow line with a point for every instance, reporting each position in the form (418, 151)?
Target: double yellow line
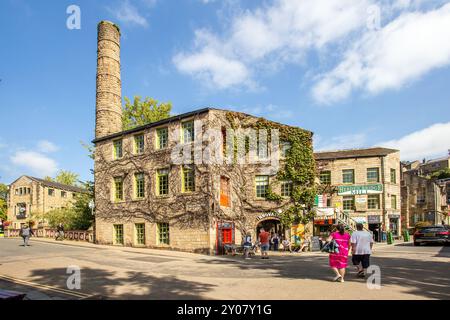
(44, 287)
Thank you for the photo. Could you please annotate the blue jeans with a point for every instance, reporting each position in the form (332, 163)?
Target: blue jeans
(25, 240)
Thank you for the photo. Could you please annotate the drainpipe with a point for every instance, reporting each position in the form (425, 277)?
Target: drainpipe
(383, 201)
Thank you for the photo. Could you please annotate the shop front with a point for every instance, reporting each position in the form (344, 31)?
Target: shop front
(323, 221)
(374, 225)
(394, 224)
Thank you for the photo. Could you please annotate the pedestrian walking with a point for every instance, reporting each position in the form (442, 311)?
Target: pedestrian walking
(276, 241)
(264, 238)
(338, 261)
(60, 232)
(248, 245)
(25, 233)
(362, 243)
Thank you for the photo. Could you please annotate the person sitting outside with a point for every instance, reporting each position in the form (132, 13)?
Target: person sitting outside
(306, 244)
(287, 245)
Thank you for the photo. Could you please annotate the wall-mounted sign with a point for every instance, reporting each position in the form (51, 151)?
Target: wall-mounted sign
(361, 200)
(360, 219)
(324, 212)
(394, 215)
(363, 189)
(266, 215)
(373, 219)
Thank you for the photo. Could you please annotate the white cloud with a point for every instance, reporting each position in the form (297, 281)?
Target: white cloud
(425, 143)
(404, 50)
(270, 111)
(46, 146)
(269, 36)
(341, 142)
(129, 14)
(36, 162)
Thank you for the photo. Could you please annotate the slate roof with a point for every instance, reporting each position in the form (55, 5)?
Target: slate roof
(353, 153)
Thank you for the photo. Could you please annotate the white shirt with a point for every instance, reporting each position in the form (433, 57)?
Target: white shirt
(362, 240)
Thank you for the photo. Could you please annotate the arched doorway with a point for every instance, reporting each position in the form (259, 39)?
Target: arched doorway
(271, 225)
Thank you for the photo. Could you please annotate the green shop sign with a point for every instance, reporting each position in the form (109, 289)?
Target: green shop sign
(366, 189)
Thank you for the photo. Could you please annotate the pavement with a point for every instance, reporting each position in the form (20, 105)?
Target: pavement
(107, 272)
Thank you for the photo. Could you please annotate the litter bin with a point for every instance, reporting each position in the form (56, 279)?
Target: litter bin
(390, 238)
(406, 235)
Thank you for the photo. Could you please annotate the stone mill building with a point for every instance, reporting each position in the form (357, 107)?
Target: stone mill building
(144, 197)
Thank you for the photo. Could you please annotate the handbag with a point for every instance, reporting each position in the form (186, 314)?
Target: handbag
(331, 247)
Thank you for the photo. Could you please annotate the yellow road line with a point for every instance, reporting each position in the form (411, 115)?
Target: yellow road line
(44, 287)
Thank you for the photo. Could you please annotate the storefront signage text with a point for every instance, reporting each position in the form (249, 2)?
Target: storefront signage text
(366, 189)
(267, 215)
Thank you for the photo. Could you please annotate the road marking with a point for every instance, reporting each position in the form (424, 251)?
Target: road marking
(44, 287)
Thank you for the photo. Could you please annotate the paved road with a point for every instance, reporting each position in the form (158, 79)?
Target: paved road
(407, 272)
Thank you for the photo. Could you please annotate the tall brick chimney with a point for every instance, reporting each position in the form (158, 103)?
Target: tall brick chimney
(108, 109)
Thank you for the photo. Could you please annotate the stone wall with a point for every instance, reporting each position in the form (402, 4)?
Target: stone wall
(360, 166)
(192, 216)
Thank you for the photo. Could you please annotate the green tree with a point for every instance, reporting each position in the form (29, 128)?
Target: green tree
(142, 112)
(3, 204)
(78, 216)
(67, 177)
(441, 174)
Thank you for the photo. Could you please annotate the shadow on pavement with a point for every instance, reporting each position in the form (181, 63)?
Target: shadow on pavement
(134, 285)
(429, 279)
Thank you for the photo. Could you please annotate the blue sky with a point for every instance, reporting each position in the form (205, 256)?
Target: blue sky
(357, 73)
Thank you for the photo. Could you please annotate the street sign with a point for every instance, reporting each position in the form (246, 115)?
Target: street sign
(91, 204)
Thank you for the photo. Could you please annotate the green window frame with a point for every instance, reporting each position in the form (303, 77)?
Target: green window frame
(140, 233)
(162, 182)
(348, 203)
(139, 180)
(188, 179)
(373, 175)
(325, 177)
(163, 233)
(118, 189)
(162, 138)
(373, 201)
(348, 176)
(262, 186)
(394, 202)
(393, 176)
(118, 234)
(139, 144)
(286, 188)
(284, 149)
(118, 150)
(187, 129)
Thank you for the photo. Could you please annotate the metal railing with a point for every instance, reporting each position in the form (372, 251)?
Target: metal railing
(345, 219)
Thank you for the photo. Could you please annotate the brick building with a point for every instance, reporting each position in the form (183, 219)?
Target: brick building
(365, 183)
(29, 197)
(144, 197)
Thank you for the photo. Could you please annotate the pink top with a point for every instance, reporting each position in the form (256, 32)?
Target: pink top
(339, 260)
